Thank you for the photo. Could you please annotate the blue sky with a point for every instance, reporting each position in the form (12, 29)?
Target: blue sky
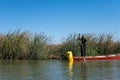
(59, 18)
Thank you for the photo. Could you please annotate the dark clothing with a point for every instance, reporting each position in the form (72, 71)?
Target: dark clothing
(83, 45)
(83, 49)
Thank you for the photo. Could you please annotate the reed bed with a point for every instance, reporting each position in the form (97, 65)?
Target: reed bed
(100, 44)
(24, 45)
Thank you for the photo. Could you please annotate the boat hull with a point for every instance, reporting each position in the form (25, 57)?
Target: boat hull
(114, 57)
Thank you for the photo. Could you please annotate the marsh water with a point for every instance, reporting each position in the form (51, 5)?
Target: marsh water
(58, 70)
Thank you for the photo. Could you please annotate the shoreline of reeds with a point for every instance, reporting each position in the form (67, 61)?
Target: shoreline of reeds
(24, 45)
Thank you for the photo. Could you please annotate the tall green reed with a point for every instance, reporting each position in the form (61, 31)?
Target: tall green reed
(22, 45)
(100, 44)
(38, 46)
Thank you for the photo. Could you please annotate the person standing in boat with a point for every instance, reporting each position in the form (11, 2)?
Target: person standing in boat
(83, 45)
(80, 45)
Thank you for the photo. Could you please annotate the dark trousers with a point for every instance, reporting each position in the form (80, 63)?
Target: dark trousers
(83, 50)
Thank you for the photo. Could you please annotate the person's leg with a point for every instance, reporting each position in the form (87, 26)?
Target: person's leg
(81, 51)
(84, 50)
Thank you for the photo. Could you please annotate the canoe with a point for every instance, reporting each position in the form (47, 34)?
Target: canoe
(109, 57)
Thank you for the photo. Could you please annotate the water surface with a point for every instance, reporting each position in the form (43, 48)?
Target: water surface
(58, 70)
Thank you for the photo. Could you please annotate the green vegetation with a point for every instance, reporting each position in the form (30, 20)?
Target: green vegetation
(23, 45)
(101, 44)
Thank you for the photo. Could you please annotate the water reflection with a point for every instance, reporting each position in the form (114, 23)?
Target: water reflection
(83, 70)
(20, 70)
(58, 70)
(78, 71)
(70, 67)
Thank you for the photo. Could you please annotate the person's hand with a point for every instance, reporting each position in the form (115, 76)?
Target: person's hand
(79, 36)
